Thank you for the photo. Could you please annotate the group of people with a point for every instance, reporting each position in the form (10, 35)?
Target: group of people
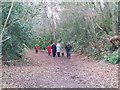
(56, 49)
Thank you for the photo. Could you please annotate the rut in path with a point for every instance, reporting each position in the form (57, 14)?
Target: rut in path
(60, 72)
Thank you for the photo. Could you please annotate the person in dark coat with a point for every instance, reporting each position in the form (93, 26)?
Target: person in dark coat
(54, 49)
(68, 48)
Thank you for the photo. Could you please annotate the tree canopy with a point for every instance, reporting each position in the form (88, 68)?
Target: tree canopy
(91, 27)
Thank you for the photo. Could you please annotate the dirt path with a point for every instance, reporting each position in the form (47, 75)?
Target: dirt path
(59, 72)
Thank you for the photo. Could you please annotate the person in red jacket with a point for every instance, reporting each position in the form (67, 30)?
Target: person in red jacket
(37, 48)
(49, 49)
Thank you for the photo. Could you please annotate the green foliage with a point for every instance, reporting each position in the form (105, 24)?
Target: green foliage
(107, 47)
(107, 21)
(73, 31)
(82, 34)
(19, 32)
(43, 40)
(78, 27)
(99, 32)
(111, 33)
(97, 54)
(112, 58)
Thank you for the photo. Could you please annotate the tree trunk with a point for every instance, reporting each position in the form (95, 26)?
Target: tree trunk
(119, 18)
(53, 24)
(112, 7)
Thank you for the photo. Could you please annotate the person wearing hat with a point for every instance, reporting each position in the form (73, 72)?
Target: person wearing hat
(68, 48)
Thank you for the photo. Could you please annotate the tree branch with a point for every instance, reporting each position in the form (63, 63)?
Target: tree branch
(7, 18)
(5, 39)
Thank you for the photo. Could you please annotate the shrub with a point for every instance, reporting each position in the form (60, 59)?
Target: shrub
(112, 58)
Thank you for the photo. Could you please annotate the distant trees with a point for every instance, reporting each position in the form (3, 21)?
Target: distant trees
(89, 26)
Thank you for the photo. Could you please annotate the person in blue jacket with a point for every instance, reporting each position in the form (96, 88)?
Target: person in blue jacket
(68, 48)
